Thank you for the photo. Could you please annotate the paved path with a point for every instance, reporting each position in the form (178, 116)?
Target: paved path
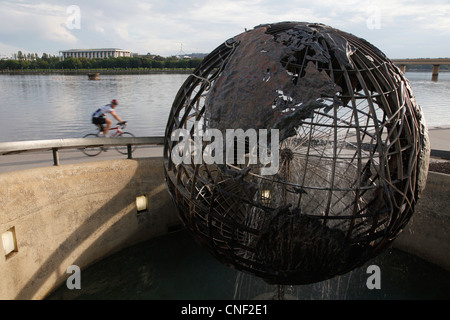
(439, 138)
(36, 159)
(440, 142)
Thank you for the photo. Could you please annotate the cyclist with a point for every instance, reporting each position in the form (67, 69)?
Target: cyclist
(99, 116)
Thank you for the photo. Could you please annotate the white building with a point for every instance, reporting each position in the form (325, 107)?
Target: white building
(95, 53)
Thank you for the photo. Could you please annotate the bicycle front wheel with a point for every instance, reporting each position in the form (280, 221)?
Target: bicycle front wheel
(91, 151)
(124, 149)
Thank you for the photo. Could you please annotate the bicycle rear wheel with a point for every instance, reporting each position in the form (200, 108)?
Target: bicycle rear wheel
(91, 151)
(124, 149)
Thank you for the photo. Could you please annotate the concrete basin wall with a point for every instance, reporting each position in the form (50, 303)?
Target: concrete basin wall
(79, 214)
(76, 215)
(427, 234)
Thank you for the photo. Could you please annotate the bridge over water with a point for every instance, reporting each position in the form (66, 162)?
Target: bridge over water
(401, 63)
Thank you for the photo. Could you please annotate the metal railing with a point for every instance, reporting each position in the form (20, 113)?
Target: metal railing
(75, 143)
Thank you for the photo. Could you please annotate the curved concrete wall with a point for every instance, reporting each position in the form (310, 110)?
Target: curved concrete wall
(427, 234)
(76, 215)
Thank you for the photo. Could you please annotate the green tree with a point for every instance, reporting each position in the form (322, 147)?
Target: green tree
(169, 64)
(146, 62)
(43, 64)
(134, 62)
(85, 62)
(25, 64)
(157, 64)
(72, 63)
(10, 64)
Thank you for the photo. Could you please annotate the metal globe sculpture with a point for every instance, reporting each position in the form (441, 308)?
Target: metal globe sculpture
(351, 162)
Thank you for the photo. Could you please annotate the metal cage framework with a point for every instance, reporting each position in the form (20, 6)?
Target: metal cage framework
(353, 152)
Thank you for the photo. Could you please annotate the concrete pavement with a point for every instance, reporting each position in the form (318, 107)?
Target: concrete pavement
(440, 142)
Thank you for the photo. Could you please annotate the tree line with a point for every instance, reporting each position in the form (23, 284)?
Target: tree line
(53, 62)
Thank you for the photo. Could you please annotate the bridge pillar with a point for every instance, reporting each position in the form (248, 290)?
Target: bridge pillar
(403, 68)
(435, 74)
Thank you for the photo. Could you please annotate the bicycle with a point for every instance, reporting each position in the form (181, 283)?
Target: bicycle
(93, 151)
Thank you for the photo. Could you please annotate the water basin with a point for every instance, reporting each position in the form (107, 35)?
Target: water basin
(175, 267)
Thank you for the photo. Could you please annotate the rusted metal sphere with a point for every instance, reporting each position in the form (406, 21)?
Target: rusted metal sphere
(351, 162)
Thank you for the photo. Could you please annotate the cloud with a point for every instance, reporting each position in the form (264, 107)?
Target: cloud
(27, 24)
(7, 51)
(161, 26)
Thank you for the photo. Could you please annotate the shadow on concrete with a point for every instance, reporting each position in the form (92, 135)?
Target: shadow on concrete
(110, 241)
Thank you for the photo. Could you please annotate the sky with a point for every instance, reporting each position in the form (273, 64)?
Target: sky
(399, 28)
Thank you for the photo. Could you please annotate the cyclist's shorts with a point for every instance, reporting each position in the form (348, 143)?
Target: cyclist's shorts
(99, 120)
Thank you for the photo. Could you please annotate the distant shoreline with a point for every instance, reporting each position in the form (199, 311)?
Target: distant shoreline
(118, 71)
(442, 127)
(425, 71)
(115, 71)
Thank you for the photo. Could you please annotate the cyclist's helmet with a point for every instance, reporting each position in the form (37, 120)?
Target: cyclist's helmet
(114, 102)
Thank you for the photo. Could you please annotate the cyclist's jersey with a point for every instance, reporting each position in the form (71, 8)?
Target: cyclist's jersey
(100, 112)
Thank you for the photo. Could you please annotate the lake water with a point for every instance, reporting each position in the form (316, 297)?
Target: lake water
(35, 107)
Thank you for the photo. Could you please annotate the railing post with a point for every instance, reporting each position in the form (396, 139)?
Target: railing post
(129, 151)
(55, 156)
